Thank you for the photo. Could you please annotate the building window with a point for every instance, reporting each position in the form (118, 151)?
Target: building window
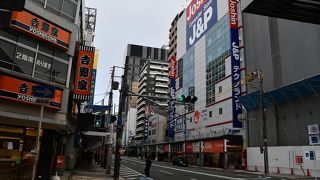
(6, 54)
(154, 132)
(220, 89)
(136, 50)
(163, 54)
(210, 113)
(220, 111)
(155, 53)
(66, 9)
(148, 52)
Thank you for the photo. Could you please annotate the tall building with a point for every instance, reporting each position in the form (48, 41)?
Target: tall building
(153, 82)
(290, 66)
(205, 67)
(37, 48)
(135, 58)
(173, 36)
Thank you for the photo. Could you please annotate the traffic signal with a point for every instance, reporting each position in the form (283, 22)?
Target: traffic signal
(113, 119)
(188, 99)
(97, 121)
(115, 85)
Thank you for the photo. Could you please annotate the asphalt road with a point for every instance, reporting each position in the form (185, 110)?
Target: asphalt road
(133, 168)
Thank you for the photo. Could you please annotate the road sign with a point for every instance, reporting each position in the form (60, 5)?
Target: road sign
(43, 91)
(42, 101)
(106, 120)
(97, 108)
(88, 108)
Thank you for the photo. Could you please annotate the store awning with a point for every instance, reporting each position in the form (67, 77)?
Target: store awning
(286, 94)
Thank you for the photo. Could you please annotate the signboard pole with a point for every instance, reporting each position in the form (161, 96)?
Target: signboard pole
(37, 143)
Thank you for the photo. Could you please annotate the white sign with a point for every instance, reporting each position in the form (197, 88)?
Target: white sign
(314, 139)
(10, 145)
(317, 154)
(306, 155)
(313, 129)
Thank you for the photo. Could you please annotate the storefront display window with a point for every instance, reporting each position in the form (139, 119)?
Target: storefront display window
(34, 58)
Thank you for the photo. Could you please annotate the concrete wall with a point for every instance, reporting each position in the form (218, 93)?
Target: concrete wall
(286, 52)
(282, 159)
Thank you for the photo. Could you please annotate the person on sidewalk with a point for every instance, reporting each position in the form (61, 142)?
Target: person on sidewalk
(148, 166)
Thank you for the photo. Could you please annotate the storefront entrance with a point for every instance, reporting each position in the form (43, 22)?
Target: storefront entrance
(17, 148)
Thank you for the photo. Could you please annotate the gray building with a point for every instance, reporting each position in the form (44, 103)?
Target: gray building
(135, 58)
(153, 81)
(287, 52)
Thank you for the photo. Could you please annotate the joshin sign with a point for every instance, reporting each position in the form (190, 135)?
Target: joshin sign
(201, 16)
(235, 62)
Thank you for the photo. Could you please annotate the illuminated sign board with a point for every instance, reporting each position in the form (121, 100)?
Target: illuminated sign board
(40, 28)
(83, 78)
(21, 91)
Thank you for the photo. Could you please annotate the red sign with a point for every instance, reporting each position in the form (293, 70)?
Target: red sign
(193, 8)
(298, 159)
(233, 14)
(83, 78)
(60, 161)
(20, 90)
(216, 146)
(196, 116)
(40, 28)
(166, 148)
(173, 71)
(189, 147)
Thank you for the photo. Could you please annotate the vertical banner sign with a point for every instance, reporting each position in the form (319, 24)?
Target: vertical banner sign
(201, 16)
(82, 84)
(235, 62)
(172, 108)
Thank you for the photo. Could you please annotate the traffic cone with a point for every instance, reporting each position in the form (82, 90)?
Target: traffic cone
(278, 170)
(308, 172)
(292, 173)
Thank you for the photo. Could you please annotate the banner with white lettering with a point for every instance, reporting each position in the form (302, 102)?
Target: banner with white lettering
(172, 109)
(235, 63)
(201, 16)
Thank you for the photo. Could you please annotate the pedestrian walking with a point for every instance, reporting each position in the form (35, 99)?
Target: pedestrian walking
(148, 166)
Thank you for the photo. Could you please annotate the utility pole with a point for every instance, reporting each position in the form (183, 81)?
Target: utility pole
(123, 95)
(108, 151)
(264, 124)
(185, 130)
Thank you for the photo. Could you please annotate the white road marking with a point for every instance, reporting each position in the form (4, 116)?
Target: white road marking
(193, 179)
(137, 172)
(129, 175)
(166, 172)
(193, 172)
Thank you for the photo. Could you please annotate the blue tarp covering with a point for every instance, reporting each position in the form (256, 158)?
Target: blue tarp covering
(285, 94)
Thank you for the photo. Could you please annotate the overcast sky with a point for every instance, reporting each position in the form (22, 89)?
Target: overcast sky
(122, 22)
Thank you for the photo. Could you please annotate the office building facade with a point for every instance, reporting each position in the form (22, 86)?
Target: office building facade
(37, 47)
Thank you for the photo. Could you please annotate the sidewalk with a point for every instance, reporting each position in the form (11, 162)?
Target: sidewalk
(282, 176)
(89, 172)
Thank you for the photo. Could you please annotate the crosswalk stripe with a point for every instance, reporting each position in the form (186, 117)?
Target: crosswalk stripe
(129, 176)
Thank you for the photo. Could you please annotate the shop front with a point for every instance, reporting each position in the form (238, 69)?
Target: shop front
(17, 149)
(17, 152)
